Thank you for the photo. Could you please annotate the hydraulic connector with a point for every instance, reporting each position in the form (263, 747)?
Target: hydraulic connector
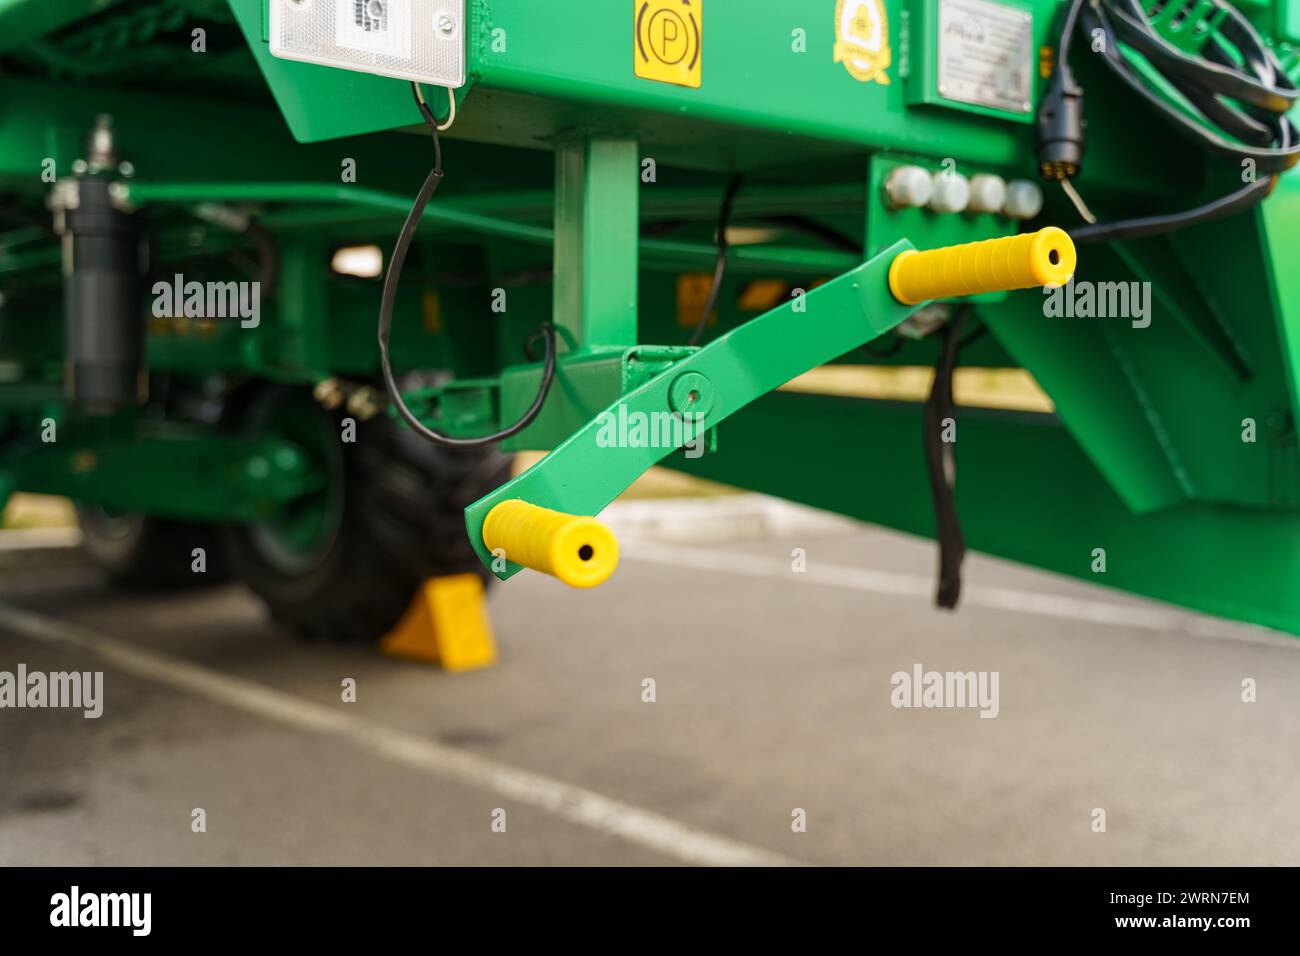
(580, 551)
(1042, 258)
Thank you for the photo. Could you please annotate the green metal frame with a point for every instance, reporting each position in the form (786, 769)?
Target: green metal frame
(1144, 455)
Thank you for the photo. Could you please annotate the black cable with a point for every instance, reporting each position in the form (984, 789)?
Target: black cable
(391, 280)
(528, 344)
(941, 467)
(724, 219)
(811, 227)
(1136, 228)
(1236, 65)
(1067, 31)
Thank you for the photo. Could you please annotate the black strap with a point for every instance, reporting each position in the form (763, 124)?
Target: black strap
(941, 467)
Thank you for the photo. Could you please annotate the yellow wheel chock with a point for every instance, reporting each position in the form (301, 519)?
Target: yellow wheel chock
(447, 624)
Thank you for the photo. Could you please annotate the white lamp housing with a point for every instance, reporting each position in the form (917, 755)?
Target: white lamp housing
(422, 40)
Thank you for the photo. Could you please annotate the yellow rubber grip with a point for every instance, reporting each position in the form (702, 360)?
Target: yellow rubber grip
(579, 551)
(1045, 257)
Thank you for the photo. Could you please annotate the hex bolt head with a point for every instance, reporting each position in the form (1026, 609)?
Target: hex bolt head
(951, 192)
(988, 193)
(909, 187)
(1024, 199)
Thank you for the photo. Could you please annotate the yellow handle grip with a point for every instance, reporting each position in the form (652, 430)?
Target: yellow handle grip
(1045, 257)
(579, 551)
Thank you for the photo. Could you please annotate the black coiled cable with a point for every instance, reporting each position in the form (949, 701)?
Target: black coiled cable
(1236, 87)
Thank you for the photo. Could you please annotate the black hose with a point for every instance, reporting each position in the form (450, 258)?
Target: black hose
(1260, 132)
(393, 277)
(941, 466)
(724, 220)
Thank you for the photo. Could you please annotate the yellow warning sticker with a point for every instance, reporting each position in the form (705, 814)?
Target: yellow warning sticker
(668, 44)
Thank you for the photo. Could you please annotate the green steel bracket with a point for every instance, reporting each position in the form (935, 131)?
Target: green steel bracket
(209, 477)
(587, 472)
(462, 408)
(585, 383)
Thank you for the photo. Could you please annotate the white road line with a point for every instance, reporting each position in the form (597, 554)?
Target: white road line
(1002, 599)
(575, 804)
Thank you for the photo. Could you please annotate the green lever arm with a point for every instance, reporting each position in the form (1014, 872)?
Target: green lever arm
(583, 475)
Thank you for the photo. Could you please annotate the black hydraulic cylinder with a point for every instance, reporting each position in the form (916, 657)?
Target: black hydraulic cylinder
(103, 314)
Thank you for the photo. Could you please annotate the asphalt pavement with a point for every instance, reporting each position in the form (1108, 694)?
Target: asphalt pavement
(772, 736)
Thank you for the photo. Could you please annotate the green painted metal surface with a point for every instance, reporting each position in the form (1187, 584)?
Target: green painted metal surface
(22, 21)
(172, 471)
(585, 385)
(596, 223)
(359, 103)
(753, 76)
(664, 253)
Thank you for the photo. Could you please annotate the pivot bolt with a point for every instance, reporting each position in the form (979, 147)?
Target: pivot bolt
(691, 394)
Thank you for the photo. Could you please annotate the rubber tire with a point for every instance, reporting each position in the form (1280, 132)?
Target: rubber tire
(402, 521)
(141, 552)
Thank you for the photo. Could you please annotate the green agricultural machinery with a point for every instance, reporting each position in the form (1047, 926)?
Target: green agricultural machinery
(283, 283)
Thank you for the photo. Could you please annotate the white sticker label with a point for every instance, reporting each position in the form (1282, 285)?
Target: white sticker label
(986, 54)
(380, 26)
